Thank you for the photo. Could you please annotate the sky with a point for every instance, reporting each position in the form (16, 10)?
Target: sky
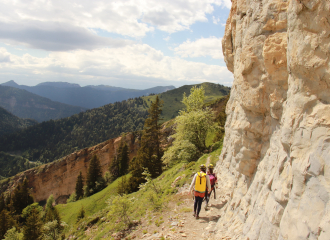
(124, 43)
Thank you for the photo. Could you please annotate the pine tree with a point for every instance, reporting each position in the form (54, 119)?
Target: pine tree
(151, 139)
(52, 213)
(124, 160)
(33, 226)
(114, 167)
(21, 198)
(150, 153)
(6, 222)
(80, 186)
(119, 164)
(95, 181)
(2, 203)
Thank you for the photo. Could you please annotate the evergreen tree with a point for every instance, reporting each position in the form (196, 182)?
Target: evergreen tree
(119, 164)
(80, 186)
(124, 160)
(95, 181)
(150, 153)
(2, 203)
(114, 167)
(52, 213)
(21, 198)
(33, 226)
(6, 222)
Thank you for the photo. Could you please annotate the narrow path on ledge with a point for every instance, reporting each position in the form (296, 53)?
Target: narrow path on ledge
(178, 221)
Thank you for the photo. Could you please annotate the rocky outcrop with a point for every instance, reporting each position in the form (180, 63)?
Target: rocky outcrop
(59, 177)
(274, 169)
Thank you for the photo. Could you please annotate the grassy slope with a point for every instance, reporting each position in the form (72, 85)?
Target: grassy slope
(172, 99)
(96, 207)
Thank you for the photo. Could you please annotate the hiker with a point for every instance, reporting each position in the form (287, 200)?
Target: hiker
(199, 185)
(213, 181)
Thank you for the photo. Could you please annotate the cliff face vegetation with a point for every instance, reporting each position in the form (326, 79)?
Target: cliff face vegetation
(274, 169)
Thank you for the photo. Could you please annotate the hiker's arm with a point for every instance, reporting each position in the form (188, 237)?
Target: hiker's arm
(192, 183)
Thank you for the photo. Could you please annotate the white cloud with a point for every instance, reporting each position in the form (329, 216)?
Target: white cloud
(54, 36)
(129, 17)
(215, 20)
(200, 48)
(113, 66)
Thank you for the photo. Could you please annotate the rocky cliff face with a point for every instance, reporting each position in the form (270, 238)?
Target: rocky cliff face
(59, 177)
(274, 170)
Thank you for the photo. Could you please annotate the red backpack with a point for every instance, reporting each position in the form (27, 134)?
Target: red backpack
(212, 179)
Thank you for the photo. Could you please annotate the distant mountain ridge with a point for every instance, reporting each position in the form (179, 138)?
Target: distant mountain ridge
(24, 104)
(9, 123)
(51, 140)
(88, 96)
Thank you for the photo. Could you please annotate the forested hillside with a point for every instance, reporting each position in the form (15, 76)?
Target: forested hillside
(28, 105)
(10, 165)
(172, 99)
(9, 123)
(53, 139)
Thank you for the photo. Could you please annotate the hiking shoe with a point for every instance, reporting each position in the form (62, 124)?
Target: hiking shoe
(206, 207)
(197, 217)
(194, 214)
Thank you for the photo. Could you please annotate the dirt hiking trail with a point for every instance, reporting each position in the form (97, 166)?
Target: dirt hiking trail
(177, 220)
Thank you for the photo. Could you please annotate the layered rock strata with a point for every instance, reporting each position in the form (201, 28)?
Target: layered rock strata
(274, 169)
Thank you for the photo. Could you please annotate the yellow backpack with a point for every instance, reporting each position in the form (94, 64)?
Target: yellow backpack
(200, 183)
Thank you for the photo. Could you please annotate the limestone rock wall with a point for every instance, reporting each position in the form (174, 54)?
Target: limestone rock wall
(274, 170)
(59, 177)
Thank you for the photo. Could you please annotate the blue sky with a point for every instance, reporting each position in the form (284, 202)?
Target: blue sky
(125, 43)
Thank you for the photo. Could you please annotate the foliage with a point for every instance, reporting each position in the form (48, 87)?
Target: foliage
(72, 198)
(10, 165)
(6, 222)
(20, 198)
(120, 209)
(172, 99)
(123, 187)
(154, 196)
(52, 214)
(119, 164)
(9, 123)
(192, 128)
(33, 226)
(2, 202)
(150, 153)
(27, 211)
(54, 139)
(94, 181)
(81, 214)
(51, 231)
(13, 234)
(143, 201)
(79, 186)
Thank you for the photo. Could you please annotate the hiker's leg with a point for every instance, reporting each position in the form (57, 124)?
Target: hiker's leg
(199, 204)
(195, 204)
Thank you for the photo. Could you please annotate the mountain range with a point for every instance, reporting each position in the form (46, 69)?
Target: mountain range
(52, 140)
(24, 104)
(88, 96)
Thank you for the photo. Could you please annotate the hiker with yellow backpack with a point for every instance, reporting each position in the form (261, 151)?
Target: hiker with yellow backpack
(199, 185)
